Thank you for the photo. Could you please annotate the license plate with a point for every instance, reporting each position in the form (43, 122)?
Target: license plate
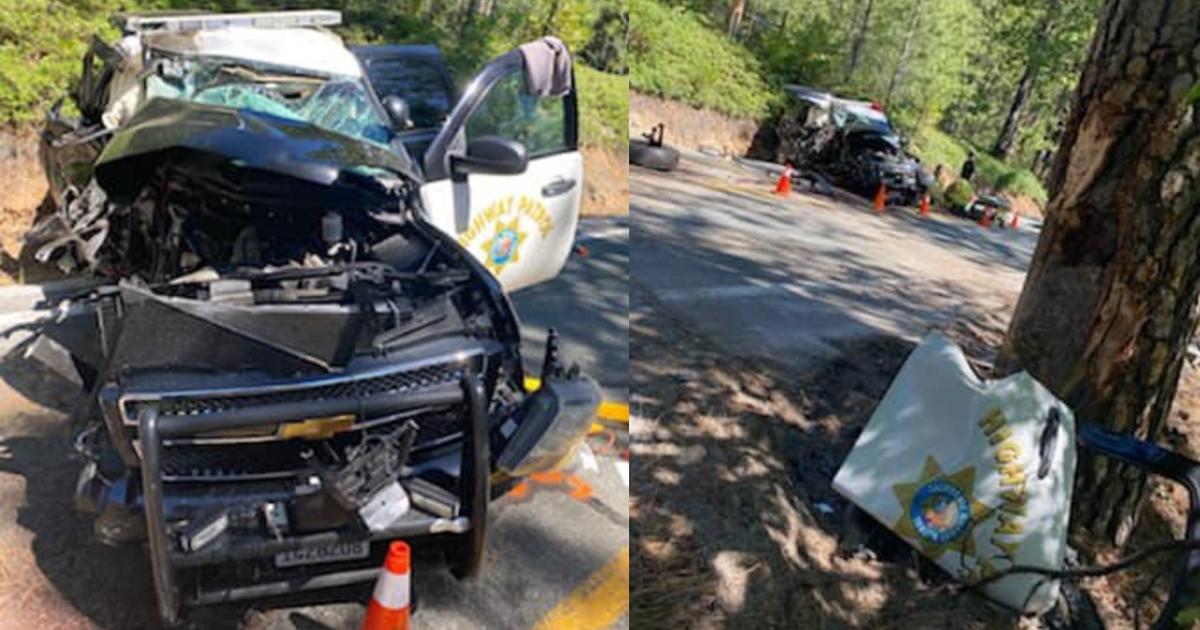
(335, 552)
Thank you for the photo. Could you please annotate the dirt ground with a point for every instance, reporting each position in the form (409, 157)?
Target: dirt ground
(690, 127)
(605, 182)
(23, 192)
(737, 524)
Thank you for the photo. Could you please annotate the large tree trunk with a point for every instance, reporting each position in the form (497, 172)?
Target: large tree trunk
(736, 9)
(1012, 122)
(898, 70)
(859, 42)
(468, 15)
(1109, 303)
(548, 24)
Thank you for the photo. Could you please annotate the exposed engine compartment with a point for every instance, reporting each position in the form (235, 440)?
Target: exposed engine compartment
(324, 284)
(285, 364)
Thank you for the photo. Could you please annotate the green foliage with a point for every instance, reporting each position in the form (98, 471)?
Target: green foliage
(1021, 182)
(1011, 45)
(944, 69)
(959, 192)
(42, 42)
(603, 107)
(674, 53)
(1193, 94)
(606, 49)
(937, 147)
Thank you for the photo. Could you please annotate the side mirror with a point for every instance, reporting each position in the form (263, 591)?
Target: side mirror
(491, 155)
(398, 112)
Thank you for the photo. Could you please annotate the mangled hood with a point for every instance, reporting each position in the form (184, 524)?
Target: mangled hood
(246, 155)
(874, 136)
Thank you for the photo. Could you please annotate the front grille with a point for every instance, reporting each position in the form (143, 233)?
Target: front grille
(214, 462)
(349, 389)
(281, 459)
(241, 460)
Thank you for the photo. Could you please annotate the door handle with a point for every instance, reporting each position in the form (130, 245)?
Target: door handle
(557, 187)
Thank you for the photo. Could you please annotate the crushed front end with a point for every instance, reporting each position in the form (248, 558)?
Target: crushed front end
(286, 368)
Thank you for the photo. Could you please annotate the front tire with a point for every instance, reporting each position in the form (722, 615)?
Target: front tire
(660, 158)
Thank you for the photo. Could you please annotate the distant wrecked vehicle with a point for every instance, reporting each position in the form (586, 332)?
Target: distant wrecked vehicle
(851, 142)
(299, 345)
(985, 208)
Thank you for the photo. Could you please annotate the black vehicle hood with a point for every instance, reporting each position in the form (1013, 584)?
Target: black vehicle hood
(244, 154)
(863, 134)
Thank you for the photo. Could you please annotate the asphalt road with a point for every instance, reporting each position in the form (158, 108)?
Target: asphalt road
(588, 305)
(789, 278)
(557, 550)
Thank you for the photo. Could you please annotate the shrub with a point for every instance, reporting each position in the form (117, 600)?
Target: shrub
(1021, 182)
(675, 54)
(41, 43)
(935, 147)
(603, 107)
(959, 193)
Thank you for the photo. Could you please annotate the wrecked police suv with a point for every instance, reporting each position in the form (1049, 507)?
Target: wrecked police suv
(299, 346)
(852, 142)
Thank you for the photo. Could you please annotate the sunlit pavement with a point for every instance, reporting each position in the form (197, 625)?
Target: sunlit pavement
(792, 277)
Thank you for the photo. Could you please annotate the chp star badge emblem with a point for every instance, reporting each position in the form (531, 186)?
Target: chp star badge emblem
(505, 247)
(938, 511)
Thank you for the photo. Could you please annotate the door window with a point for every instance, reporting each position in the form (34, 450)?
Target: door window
(509, 112)
(419, 82)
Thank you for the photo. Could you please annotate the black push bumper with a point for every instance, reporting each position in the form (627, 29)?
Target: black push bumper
(465, 525)
(447, 515)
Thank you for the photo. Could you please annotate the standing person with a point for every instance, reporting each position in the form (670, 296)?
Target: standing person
(968, 167)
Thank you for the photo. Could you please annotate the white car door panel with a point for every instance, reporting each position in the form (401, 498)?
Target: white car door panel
(520, 226)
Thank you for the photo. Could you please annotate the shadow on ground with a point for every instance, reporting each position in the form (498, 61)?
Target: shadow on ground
(736, 522)
(733, 459)
(797, 303)
(54, 574)
(588, 305)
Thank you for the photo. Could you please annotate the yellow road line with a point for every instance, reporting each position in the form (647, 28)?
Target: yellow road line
(609, 411)
(613, 411)
(597, 603)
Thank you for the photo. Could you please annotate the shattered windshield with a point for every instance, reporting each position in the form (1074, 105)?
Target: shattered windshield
(338, 104)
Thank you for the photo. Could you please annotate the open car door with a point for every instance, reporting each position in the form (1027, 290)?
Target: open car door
(504, 174)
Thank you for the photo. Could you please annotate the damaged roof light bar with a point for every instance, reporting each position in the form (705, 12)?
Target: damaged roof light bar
(144, 22)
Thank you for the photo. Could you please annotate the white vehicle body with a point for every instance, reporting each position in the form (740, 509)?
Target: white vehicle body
(520, 226)
(975, 474)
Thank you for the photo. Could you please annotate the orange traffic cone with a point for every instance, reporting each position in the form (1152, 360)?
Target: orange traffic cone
(880, 197)
(389, 604)
(924, 205)
(1015, 222)
(784, 186)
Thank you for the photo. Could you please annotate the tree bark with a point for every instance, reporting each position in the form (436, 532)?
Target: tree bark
(468, 15)
(905, 49)
(1012, 122)
(736, 9)
(548, 25)
(859, 42)
(1109, 302)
